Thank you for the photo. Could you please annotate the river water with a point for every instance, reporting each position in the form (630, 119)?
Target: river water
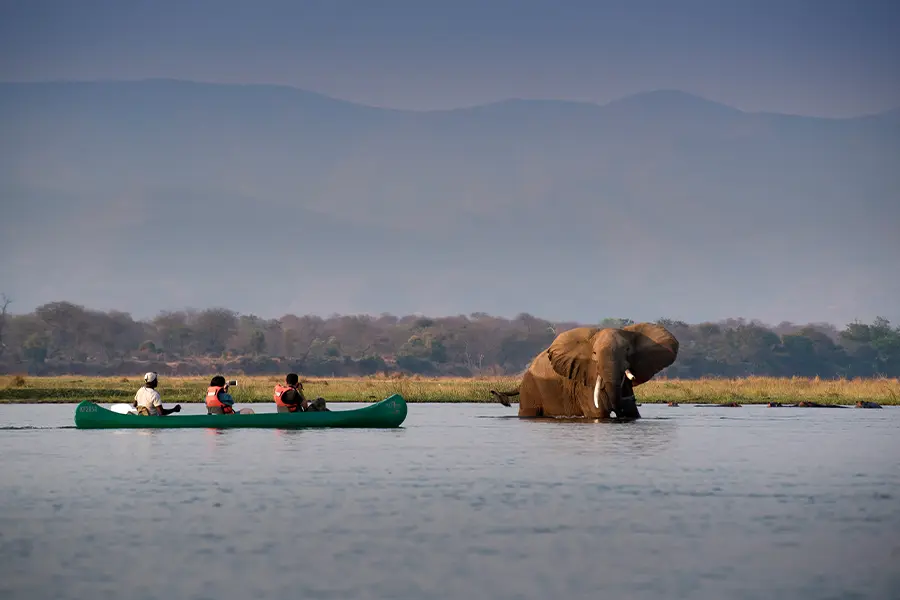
(461, 502)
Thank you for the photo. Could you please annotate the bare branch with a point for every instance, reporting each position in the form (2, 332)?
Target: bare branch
(5, 301)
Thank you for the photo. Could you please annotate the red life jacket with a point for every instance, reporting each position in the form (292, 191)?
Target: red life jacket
(276, 395)
(212, 399)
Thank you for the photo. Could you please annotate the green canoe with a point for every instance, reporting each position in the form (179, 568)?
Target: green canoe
(390, 412)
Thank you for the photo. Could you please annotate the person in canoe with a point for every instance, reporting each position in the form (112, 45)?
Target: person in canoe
(289, 397)
(147, 399)
(218, 400)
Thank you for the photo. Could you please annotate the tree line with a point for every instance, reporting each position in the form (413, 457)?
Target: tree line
(65, 338)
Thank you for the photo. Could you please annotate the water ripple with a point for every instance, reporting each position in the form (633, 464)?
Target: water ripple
(465, 502)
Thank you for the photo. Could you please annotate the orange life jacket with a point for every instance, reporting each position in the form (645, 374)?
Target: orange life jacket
(276, 395)
(212, 399)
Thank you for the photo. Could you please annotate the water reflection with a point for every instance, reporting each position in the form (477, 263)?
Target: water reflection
(135, 432)
(610, 438)
(288, 433)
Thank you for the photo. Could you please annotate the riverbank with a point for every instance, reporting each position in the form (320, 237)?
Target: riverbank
(750, 390)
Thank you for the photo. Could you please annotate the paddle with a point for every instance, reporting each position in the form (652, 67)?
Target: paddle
(125, 409)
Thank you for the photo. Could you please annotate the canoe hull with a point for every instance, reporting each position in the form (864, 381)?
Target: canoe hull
(388, 413)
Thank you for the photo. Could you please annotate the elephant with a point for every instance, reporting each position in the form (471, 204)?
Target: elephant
(590, 372)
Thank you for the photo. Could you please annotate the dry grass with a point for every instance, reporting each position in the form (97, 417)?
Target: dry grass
(25, 389)
(761, 390)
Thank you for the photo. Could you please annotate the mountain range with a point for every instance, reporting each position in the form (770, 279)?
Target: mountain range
(163, 194)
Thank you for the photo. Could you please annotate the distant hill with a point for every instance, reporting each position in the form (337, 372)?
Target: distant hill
(163, 194)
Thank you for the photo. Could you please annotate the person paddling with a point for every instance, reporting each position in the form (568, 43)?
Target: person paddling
(147, 399)
(218, 400)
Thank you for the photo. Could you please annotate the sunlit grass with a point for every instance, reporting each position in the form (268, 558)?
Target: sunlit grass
(761, 390)
(748, 390)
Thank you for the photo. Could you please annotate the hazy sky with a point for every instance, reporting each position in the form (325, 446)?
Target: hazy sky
(815, 57)
(809, 57)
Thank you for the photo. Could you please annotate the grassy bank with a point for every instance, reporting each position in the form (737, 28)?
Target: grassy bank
(751, 390)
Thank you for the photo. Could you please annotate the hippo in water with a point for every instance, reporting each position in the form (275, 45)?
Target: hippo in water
(867, 404)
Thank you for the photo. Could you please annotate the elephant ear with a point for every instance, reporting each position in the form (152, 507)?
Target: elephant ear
(570, 353)
(653, 349)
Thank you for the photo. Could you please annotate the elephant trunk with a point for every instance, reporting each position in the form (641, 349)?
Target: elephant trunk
(613, 391)
(604, 397)
(627, 407)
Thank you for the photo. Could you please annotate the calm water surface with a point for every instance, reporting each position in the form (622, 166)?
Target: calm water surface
(462, 502)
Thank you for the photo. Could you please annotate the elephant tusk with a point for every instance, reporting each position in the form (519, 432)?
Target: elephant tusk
(597, 393)
(629, 375)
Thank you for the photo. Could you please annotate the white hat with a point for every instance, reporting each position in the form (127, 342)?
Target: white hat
(150, 377)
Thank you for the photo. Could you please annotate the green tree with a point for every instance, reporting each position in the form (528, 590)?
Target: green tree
(36, 348)
(213, 328)
(615, 323)
(173, 332)
(258, 342)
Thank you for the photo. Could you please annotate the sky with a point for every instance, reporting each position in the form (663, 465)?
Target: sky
(810, 57)
(825, 58)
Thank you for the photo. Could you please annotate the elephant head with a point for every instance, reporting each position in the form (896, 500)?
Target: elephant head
(602, 359)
